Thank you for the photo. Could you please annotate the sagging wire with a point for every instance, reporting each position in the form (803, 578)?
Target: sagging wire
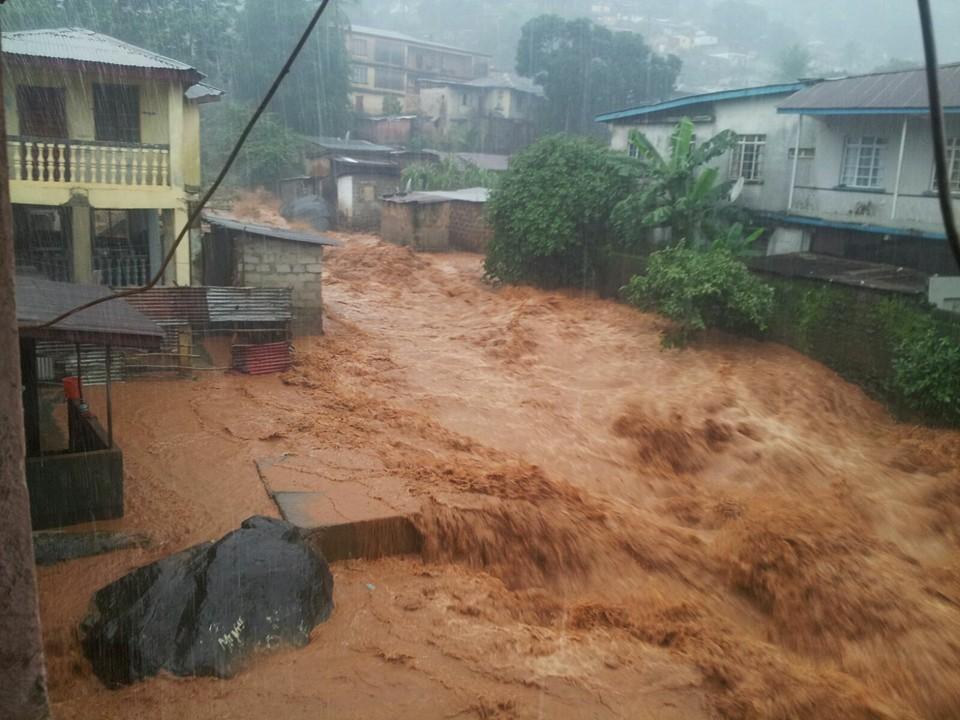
(195, 214)
(937, 129)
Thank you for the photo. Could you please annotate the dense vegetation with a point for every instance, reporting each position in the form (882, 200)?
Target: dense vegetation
(450, 173)
(700, 289)
(551, 211)
(583, 68)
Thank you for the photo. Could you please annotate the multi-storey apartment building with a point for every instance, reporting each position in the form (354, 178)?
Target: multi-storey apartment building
(103, 140)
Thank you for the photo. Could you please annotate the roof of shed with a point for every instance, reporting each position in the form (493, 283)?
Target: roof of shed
(427, 197)
(339, 146)
(495, 80)
(111, 323)
(203, 93)
(485, 161)
(393, 35)
(702, 98)
(232, 223)
(891, 93)
(86, 46)
(856, 273)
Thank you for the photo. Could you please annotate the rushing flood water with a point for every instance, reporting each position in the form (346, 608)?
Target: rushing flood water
(612, 530)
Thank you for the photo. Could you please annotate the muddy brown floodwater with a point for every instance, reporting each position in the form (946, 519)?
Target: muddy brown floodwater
(612, 530)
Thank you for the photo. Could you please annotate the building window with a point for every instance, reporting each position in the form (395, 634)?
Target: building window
(953, 166)
(358, 47)
(116, 113)
(42, 112)
(388, 79)
(632, 150)
(358, 103)
(464, 99)
(358, 74)
(747, 159)
(862, 165)
(389, 52)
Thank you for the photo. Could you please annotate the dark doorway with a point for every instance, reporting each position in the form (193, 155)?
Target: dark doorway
(116, 113)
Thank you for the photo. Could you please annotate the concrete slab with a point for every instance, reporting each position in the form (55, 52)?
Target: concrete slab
(345, 501)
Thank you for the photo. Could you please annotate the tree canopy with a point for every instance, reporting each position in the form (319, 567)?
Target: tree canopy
(585, 69)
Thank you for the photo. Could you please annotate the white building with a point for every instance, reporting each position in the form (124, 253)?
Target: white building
(839, 167)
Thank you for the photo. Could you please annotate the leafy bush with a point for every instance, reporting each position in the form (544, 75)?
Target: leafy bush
(700, 289)
(448, 174)
(551, 212)
(926, 375)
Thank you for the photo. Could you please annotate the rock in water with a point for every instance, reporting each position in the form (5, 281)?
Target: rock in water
(204, 610)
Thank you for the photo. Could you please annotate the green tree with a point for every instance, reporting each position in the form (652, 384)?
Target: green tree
(392, 105)
(272, 150)
(314, 98)
(793, 63)
(581, 66)
(681, 192)
(551, 211)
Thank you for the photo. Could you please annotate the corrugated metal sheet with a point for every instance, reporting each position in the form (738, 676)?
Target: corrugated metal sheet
(232, 223)
(894, 92)
(59, 360)
(393, 35)
(237, 305)
(40, 300)
(262, 359)
(82, 45)
(428, 197)
(173, 304)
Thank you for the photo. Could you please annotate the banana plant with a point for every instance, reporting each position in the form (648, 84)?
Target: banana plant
(680, 191)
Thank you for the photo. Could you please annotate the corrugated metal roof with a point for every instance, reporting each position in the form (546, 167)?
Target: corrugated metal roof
(495, 80)
(711, 97)
(232, 223)
(426, 197)
(393, 35)
(486, 161)
(855, 273)
(237, 304)
(897, 93)
(176, 305)
(350, 146)
(87, 46)
(116, 322)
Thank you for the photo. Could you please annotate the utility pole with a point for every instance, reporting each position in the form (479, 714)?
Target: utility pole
(23, 677)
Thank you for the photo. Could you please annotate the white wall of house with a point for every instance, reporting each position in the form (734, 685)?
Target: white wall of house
(748, 116)
(916, 206)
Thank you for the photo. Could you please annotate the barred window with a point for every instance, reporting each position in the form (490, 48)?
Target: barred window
(862, 165)
(953, 166)
(747, 159)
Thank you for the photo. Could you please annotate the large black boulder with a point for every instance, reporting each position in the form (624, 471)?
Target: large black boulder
(204, 610)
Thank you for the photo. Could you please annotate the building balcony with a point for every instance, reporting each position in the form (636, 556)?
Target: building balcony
(88, 163)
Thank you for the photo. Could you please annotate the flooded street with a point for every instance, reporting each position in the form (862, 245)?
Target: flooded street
(612, 530)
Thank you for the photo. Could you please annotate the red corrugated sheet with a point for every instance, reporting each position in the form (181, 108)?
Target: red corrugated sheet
(262, 359)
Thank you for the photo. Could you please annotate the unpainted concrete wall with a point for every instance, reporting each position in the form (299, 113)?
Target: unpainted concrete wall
(422, 227)
(263, 262)
(469, 229)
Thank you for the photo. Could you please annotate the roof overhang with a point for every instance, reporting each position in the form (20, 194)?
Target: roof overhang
(704, 98)
(790, 219)
(864, 111)
(188, 77)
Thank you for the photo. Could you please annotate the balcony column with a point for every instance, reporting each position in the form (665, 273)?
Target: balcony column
(896, 187)
(175, 122)
(81, 241)
(154, 241)
(796, 161)
(179, 270)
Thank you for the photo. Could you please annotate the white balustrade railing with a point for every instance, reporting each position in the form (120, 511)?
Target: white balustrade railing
(121, 270)
(88, 163)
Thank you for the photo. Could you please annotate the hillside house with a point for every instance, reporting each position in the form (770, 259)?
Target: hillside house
(104, 151)
(838, 167)
(502, 109)
(387, 64)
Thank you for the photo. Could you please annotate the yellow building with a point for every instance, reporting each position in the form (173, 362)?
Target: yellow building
(103, 142)
(390, 64)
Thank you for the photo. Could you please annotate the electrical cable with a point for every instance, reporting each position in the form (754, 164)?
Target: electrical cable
(171, 253)
(937, 129)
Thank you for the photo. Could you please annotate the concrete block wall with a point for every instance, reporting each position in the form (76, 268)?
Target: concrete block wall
(283, 263)
(422, 227)
(469, 229)
(365, 210)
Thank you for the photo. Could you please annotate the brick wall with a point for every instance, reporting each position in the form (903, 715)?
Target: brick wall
(283, 263)
(469, 229)
(364, 215)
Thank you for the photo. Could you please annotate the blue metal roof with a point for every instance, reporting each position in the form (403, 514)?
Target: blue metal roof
(858, 227)
(688, 100)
